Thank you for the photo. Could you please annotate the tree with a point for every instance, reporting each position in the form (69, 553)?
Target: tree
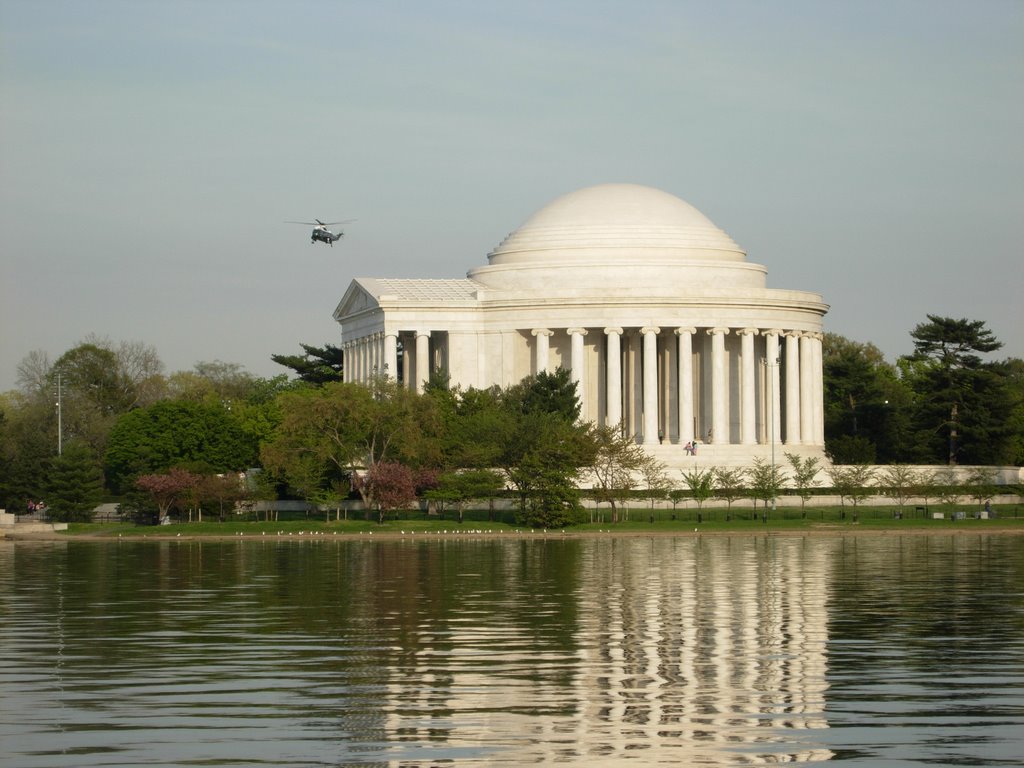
(899, 482)
(111, 378)
(947, 488)
(765, 481)
(728, 484)
(981, 483)
(701, 484)
(471, 423)
(342, 429)
(459, 488)
(867, 406)
(964, 405)
(387, 485)
(546, 392)
(33, 374)
(317, 365)
(223, 490)
(543, 449)
(205, 436)
(617, 461)
(168, 489)
(851, 482)
(75, 484)
(28, 445)
(655, 480)
(1014, 368)
(805, 474)
(545, 469)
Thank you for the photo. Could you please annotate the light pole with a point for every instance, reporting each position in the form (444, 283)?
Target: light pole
(770, 366)
(60, 419)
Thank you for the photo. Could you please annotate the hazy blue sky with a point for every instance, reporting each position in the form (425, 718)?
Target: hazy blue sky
(872, 152)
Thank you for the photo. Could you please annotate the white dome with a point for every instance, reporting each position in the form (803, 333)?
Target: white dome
(616, 223)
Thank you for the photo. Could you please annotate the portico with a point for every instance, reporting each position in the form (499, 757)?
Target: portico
(666, 328)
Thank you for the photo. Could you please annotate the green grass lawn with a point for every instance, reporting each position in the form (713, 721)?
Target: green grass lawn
(636, 521)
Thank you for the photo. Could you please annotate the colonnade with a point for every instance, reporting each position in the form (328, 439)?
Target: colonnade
(684, 384)
(719, 384)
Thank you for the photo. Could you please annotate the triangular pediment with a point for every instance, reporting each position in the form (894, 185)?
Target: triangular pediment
(355, 301)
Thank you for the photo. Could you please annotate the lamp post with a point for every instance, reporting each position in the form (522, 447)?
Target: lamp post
(60, 419)
(770, 366)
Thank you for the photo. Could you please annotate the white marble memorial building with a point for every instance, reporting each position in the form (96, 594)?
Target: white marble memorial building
(655, 311)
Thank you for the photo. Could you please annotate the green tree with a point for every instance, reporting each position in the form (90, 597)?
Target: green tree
(981, 483)
(701, 484)
(460, 487)
(553, 393)
(899, 482)
(343, 429)
(204, 436)
(729, 483)
(617, 463)
(28, 445)
(851, 482)
(805, 475)
(224, 491)
(964, 405)
(544, 465)
(317, 365)
(656, 482)
(867, 405)
(75, 484)
(765, 481)
(541, 448)
(1014, 368)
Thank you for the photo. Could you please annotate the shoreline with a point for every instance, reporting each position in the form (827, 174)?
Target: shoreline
(825, 530)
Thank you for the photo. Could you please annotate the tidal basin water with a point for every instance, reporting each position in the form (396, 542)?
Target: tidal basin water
(515, 650)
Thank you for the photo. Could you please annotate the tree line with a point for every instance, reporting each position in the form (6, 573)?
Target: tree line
(121, 426)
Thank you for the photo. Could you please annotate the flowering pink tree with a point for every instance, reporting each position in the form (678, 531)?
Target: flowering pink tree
(388, 485)
(168, 489)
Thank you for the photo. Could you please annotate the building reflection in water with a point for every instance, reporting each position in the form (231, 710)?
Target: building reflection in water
(703, 650)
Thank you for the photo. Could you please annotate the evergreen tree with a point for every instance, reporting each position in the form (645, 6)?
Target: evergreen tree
(318, 366)
(867, 406)
(964, 404)
(75, 484)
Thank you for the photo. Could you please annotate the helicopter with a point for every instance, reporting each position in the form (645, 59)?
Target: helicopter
(321, 232)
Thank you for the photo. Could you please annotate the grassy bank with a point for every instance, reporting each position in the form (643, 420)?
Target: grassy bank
(636, 521)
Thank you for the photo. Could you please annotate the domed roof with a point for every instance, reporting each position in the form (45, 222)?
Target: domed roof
(616, 223)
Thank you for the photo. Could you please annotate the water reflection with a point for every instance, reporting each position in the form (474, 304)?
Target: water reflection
(713, 650)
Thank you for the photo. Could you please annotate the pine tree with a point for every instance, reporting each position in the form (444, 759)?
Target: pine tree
(75, 485)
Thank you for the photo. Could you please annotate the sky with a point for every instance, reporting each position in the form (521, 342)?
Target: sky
(152, 151)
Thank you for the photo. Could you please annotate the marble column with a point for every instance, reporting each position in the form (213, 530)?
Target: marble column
(391, 354)
(818, 390)
(792, 388)
(774, 405)
(719, 387)
(543, 357)
(576, 366)
(806, 390)
(650, 384)
(748, 387)
(613, 376)
(422, 359)
(685, 363)
(406, 363)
